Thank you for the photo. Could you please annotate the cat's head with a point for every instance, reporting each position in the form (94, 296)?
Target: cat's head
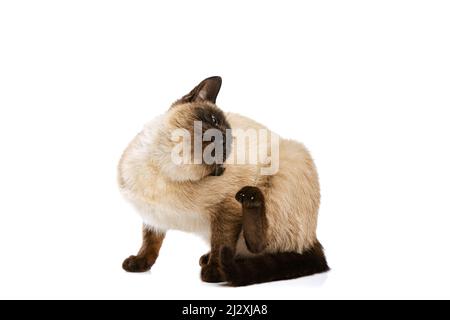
(195, 138)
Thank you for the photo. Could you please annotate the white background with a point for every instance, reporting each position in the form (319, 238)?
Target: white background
(364, 84)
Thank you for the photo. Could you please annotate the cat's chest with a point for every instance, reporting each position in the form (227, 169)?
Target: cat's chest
(163, 208)
(164, 217)
(162, 204)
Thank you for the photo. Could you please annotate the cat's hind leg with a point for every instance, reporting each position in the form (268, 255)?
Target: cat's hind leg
(241, 271)
(254, 220)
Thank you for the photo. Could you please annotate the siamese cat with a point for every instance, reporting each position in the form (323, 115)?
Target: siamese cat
(261, 227)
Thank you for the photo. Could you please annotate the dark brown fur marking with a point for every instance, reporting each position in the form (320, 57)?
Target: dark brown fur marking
(226, 226)
(254, 220)
(271, 267)
(207, 90)
(204, 259)
(147, 255)
(202, 100)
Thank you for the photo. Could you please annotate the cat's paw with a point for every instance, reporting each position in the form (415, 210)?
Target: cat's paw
(204, 259)
(211, 273)
(136, 264)
(250, 197)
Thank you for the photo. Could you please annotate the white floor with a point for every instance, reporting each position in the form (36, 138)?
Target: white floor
(85, 262)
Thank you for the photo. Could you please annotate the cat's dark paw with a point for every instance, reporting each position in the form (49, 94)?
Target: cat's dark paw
(136, 264)
(204, 259)
(211, 273)
(250, 197)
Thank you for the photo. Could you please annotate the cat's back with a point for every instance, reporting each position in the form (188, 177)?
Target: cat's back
(238, 121)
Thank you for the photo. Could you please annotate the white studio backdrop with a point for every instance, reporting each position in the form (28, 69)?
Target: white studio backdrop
(364, 84)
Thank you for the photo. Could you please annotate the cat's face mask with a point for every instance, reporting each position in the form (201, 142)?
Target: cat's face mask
(200, 134)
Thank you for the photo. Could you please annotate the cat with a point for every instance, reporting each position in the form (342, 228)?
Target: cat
(260, 227)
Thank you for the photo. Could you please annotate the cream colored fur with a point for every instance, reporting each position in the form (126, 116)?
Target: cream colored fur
(170, 197)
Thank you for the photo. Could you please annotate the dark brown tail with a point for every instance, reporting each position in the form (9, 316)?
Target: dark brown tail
(272, 267)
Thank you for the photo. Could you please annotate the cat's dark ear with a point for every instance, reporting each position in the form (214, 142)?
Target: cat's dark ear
(207, 90)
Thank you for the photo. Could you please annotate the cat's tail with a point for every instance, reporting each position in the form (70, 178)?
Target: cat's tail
(271, 267)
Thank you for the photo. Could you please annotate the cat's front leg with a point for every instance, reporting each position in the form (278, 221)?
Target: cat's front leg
(147, 255)
(226, 225)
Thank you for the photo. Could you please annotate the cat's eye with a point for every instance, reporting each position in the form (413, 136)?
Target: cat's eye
(214, 120)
